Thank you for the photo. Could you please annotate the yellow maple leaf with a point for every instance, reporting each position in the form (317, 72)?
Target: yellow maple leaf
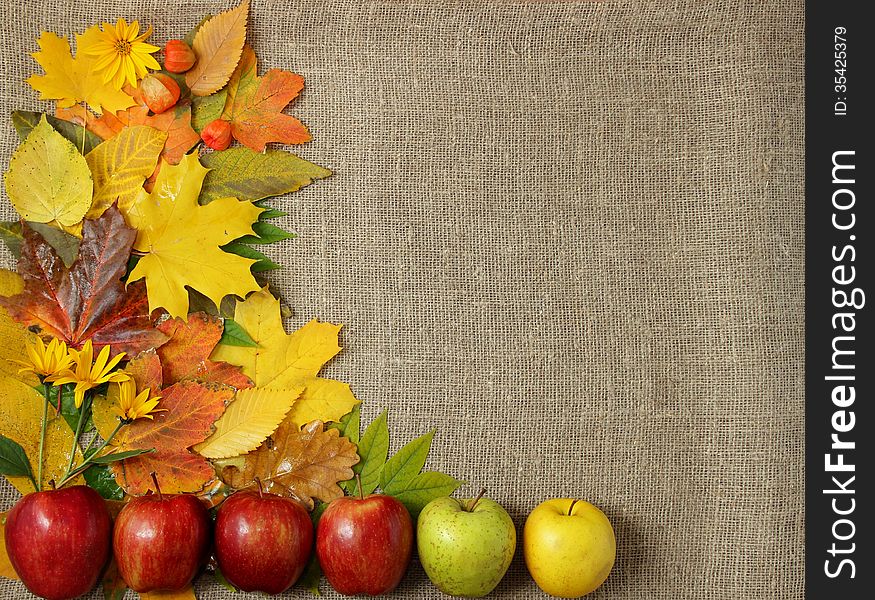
(180, 240)
(70, 80)
(254, 414)
(48, 180)
(22, 405)
(282, 361)
(120, 166)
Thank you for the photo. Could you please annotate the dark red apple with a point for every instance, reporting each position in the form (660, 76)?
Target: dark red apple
(364, 544)
(161, 540)
(262, 541)
(58, 541)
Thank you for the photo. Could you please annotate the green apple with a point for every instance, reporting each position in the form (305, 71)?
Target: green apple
(465, 546)
(569, 547)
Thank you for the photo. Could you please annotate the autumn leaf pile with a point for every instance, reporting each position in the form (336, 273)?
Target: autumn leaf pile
(135, 236)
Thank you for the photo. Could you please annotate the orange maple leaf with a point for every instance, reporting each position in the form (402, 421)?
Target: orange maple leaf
(176, 122)
(186, 353)
(190, 409)
(254, 105)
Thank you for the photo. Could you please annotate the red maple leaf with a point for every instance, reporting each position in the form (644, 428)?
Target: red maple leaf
(88, 300)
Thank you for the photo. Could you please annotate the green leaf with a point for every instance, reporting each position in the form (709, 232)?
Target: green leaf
(269, 211)
(311, 576)
(13, 460)
(68, 406)
(189, 37)
(66, 245)
(424, 488)
(263, 264)
(248, 175)
(234, 335)
(349, 424)
(85, 141)
(265, 233)
(101, 480)
(373, 450)
(400, 470)
(10, 233)
(109, 458)
(206, 109)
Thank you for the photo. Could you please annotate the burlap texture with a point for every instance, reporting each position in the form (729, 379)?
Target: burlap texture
(569, 236)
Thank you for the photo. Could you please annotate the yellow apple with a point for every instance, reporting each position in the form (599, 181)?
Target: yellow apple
(569, 547)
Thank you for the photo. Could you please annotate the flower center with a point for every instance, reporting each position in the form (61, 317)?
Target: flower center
(123, 47)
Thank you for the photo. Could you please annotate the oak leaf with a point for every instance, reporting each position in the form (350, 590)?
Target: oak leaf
(71, 80)
(190, 409)
(175, 122)
(22, 405)
(88, 300)
(252, 416)
(217, 45)
(282, 361)
(181, 240)
(121, 165)
(48, 180)
(304, 463)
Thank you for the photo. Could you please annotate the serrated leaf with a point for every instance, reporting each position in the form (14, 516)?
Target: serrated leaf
(13, 460)
(234, 335)
(248, 175)
(262, 263)
(121, 164)
(424, 488)
(248, 421)
(103, 482)
(48, 181)
(400, 470)
(83, 140)
(373, 449)
(217, 44)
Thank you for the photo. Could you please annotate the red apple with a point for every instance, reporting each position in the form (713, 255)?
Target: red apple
(58, 541)
(364, 544)
(161, 540)
(262, 541)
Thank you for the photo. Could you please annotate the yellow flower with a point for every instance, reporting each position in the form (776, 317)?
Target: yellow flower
(134, 406)
(88, 376)
(121, 53)
(46, 361)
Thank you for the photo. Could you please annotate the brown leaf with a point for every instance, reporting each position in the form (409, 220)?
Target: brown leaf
(191, 408)
(88, 300)
(301, 463)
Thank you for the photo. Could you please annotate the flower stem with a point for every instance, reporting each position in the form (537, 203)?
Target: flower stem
(79, 424)
(38, 484)
(87, 463)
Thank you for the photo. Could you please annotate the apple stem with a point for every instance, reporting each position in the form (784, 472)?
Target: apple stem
(358, 482)
(260, 488)
(154, 476)
(476, 500)
(570, 508)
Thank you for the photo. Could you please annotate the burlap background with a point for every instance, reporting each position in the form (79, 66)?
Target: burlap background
(569, 236)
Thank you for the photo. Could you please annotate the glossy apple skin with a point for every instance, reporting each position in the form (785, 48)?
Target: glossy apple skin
(262, 542)
(58, 541)
(160, 543)
(364, 546)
